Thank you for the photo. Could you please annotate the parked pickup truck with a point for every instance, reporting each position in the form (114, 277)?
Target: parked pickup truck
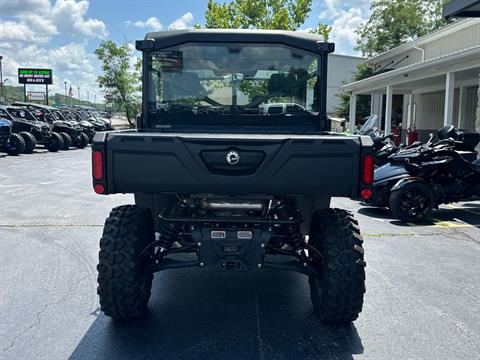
(231, 186)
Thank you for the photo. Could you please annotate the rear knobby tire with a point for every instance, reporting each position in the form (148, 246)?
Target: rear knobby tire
(55, 143)
(16, 145)
(30, 141)
(337, 294)
(82, 141)
(67, 140)
(123, 284)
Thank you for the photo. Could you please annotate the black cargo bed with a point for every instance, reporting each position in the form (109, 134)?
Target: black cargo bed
(314, 165)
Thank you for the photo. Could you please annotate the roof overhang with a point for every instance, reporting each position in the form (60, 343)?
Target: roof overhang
(461, 8)
(444, 31)
(457, 61)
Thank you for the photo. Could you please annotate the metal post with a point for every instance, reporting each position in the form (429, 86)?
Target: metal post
(1, 77)
(449, 96)
(460, 107)
(25, 92)
(353, 112)
(78, 88)
(46, 90)
(388, 110)
(66, 98)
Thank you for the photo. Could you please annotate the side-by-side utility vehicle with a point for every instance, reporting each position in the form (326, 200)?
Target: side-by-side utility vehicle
(31, 129)
(222, 184)
(10, 143)
(72, 133)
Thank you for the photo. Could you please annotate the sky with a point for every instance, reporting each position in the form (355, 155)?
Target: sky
(63, 34)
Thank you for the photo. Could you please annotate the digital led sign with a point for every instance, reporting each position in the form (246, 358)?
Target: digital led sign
(35, 76)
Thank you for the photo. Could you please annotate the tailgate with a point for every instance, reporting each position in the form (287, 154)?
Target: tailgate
(315, 165)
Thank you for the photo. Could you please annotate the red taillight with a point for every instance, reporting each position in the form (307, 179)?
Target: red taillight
(99, 189)
(97, 165)
(366, 194)
(368, 167)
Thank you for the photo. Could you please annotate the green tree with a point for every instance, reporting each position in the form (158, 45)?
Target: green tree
(363, 101)
(257, 14)
(324, 30)
(395, 22)
(260, 14)
(119, 81)
(391, 24)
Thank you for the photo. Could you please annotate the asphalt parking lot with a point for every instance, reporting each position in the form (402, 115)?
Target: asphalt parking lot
(422, 301)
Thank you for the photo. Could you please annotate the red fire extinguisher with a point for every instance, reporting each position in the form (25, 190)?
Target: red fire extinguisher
(412, 135)
(396, 135)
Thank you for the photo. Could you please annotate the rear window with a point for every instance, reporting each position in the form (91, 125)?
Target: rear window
(215, 83)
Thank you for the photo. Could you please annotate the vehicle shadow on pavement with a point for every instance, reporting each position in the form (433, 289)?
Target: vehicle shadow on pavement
(375, 212)
(466, 214)
(201, 315)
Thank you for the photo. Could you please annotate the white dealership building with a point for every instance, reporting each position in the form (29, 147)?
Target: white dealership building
(426, 83)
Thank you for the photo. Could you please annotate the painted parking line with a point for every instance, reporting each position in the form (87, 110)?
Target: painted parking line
(463, 209)
(446, 224)
(388, 234)
(48, 225)
(449, 224)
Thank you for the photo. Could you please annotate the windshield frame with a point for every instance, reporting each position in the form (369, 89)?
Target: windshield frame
(315, 123)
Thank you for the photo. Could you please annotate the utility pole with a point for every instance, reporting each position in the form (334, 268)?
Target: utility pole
(78, 89)
(66, 98)
(1, 77)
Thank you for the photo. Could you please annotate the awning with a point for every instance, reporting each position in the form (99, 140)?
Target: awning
(461, 8)
(457, 61)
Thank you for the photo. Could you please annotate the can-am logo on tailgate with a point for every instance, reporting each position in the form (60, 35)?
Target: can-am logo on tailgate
(233, 157)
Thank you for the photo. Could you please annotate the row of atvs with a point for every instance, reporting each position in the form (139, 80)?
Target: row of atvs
(414, 180)
(23, 126)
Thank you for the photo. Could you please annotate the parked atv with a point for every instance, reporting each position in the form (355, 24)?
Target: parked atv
(90, 114)
(72, 134)
(10, 143)
(71, 116)
(31, 129)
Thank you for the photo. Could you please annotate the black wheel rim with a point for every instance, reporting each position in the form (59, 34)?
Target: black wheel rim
(414, 202)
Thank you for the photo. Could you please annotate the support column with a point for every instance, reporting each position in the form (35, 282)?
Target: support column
(409, 111)
(381, 114)
(449, 96)
(460, 108)
(388, 111)
(477, 122)
(353, 112)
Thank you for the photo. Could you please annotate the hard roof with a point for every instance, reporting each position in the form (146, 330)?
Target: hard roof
(299, 39)
(4, 106)
(35, 105)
